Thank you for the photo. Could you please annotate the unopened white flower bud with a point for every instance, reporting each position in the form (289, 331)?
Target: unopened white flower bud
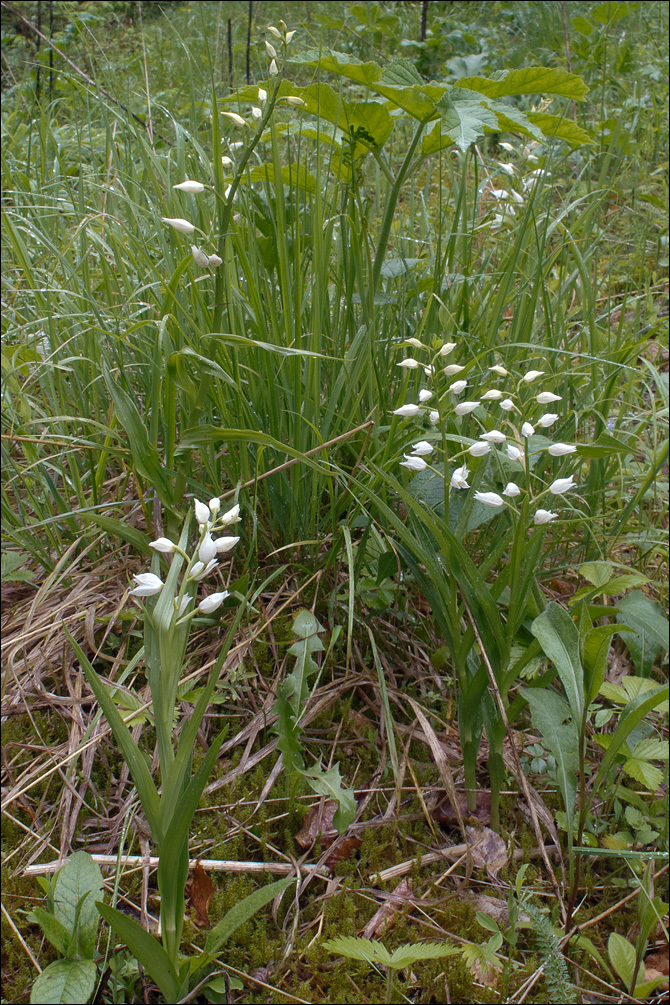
(270, 49)
(225, 544)
(294, 100)
(162, 544)
(257, 112)
(234, 117)
(466, 406)
(262, 96)
(413, 463)
(479, 449)
(492, 395)
(434, 417)
(273, 69)
(199, 257)
(201, 511)
(446, 348)
(231, 516)
(544, 516)
(527, 429)
(458, 387)
(177, 223)
(192, 187)
(495, 436)
(425, 395)
(148, 585)
(490, 499)
(407, 411)
(452, 370)
(546, 397)
(215, 260)
(275, 32)
(212, 603)
(511, 490)
(561, 449)
(409, 364)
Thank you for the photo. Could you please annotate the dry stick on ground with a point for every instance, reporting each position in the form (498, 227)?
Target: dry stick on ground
(521, 776)
(81, 73)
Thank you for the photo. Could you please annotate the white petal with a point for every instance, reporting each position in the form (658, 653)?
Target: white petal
(546, 397)
(199, 257)
(479, 449)
(413, 463)
(207, 549)
(213, 602)
(183, 226)
(512, 489)
(409, 364)
(507, 405)
(225, 544)
(527, 429)
(466, 406)
(190, 186)
(458, 386)
(490, 499)
(422, 448)
(231, 516)
(492, 395)
(546, 420)
(148, 585)
(234, 117)
(407, 411)
(202, 513)
(452, 370)
(544, 516)
(434, 417)
(495, 436)
(562, 485)
(162, 544)
(446, 348)
(425, 396)
(514, 453)
(531, 375)
(561, 449)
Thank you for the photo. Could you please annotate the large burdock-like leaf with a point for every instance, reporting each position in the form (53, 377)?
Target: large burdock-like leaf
(530, 80)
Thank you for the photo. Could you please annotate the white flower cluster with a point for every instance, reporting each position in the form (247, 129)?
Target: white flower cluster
(203, 561)
(192, 187)
(513, 438)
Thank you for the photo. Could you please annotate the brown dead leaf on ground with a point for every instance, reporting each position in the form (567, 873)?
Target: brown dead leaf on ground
(384, 916)
(318, 825)
(489, 851)
(445, 815)
(199, 891)
(656, 965)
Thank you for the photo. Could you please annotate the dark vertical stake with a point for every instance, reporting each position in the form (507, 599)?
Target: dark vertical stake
(39, 28)
(230, 54)
(251, 10)
(424, 20)
(51, 52)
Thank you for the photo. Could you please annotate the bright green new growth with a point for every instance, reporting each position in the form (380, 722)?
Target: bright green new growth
(373, 952)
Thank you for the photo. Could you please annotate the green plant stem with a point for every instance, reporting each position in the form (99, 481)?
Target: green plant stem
(389, 212)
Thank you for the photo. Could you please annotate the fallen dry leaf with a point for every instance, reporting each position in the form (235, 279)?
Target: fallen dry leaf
(318, 824)
(656, 965)
(489, 851)
(384, 917)
(444, 812)
(200, 891)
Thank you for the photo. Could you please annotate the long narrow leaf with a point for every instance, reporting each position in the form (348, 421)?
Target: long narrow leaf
(145, 948)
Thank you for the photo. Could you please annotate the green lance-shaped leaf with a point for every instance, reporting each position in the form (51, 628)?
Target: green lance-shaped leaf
(552, 717)
(146, 949)
(65, 982)
(557, 634)
(132, 755)
(288, 731)
(56, 933)
(633, 713)
(241, 913)
(145, 455)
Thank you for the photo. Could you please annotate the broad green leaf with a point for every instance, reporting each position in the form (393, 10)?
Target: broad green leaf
(557, 127)
(629, 688)
(11, 561)
(642, 771)
(464, 120)
(631, 715)
(530, 80)
(552, 717)
(400, 73)
(65, 982)
(57, 934)
(297, 176)
(595, 647)
(651, 749)
(611, 11)
(581, 25)
(622, 957)
(329, 784)
(131, 753)
(243, 912)
(650, 626)
(597, 573)
(78, 885)
(146, 949)
(557, 634)
(604, 446)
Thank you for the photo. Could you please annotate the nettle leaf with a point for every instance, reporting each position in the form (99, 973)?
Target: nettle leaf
(530, 80)
(329, 783)
(65, 982)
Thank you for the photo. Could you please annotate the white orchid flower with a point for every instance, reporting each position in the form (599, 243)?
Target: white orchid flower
(202, 513)
(459, 478)
(148, 585)
(177, 223)
(407, 411)
(544, 516)
(546, 397)
(422, 448)
(192, 187)
(511, 490)
(458, 386)
(562, 485)
(213, 602)
(413, 463)
(479, 449)
(561, 449)
(465, 407)
(490, 499)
